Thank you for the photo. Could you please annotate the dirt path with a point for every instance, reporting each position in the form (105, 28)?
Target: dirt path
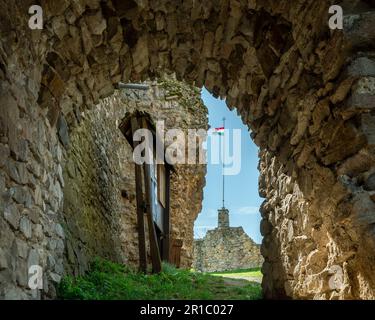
(240, 279)
(228, 288)
(235, 282)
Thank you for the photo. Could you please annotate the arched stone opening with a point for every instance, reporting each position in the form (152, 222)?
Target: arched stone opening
(100, 207)
(305, 91)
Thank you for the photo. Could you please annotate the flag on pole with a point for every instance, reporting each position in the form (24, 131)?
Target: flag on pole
(219, 131)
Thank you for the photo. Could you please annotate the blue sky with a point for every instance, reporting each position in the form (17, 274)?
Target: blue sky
(241, 191)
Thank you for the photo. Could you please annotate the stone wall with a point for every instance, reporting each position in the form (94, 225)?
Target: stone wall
(316, 172)
(306, 92)
(226, 249)
(68, 194)
(99, 196)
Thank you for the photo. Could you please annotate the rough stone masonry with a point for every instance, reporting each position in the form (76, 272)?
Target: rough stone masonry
(96, 186)
(226, 248)
(102, 220)
(306, 92)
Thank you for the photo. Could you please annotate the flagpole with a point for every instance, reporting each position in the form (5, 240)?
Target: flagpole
(223, 160)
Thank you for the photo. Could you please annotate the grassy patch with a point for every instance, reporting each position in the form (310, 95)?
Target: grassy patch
(255, 272)
(111, 281)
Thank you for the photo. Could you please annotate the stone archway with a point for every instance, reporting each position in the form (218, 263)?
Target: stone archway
(305, 91)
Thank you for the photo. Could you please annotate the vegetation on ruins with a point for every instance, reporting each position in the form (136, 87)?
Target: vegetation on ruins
(111, 281)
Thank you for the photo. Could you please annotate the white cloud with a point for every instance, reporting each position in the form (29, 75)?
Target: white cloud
(247, 210)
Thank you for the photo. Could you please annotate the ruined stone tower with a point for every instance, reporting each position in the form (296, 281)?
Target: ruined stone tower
(223, 218)
(225, 248)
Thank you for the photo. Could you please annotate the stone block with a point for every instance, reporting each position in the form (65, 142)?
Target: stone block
(20, 248)
(51, 261)
(12, 292)
(4, 154)
(60, 246)
(22, 196)
(63, 131)
(33, 258)
(26, 227)
(12, 215)
(3, 260)
(38, 232)
(359, 29)
(19, 148)
(59, 231)
(34, 214)
(38, 199)
(140, 55)
(96, 23)
(55, 7)
(59, 266)
(55, 277)
(368, 127)
(17, 171)
(21, 272)
(362, 67)
(59, 26)
(370, 183)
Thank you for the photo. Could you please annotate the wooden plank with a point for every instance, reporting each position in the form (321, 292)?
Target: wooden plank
(167, 224)
(140, 206)
(176, 252)
(161, 184)
(154, 248)
(157, 209)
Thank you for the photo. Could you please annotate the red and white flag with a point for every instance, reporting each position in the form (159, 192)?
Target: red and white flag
(219, 131)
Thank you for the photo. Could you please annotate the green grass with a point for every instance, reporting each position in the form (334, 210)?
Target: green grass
(111, 281)
(255, 272)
